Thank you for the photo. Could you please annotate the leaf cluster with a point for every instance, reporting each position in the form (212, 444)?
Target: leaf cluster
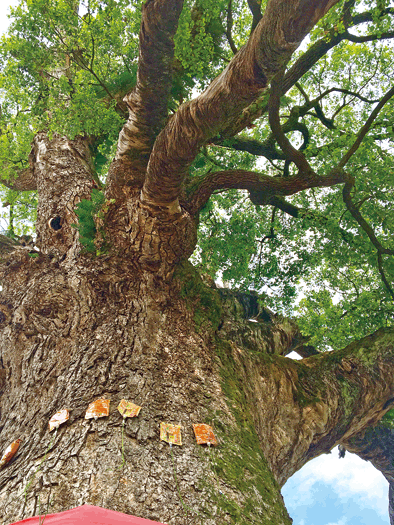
(86, 212)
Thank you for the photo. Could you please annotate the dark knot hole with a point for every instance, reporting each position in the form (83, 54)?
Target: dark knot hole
(56, 223)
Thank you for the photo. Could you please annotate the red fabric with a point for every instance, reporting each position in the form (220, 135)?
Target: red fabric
(88, 515)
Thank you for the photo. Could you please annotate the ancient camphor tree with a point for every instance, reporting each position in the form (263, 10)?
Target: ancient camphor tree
(210, 129)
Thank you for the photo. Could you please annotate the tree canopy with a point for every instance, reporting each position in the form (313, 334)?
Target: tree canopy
(66, 66)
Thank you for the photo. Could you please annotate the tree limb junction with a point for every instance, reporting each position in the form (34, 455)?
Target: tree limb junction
(278, 34)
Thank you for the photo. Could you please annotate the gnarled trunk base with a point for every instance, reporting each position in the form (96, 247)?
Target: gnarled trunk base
(98, 328)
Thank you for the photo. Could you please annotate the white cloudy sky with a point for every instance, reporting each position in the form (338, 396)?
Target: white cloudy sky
(4, 10)
(333, 491)
(328, 490)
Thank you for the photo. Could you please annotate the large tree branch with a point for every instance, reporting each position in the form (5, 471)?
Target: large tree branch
(369, 38)
(293, 75)
(286, 207)
(268, 148)
(321, 400)
(347, 198)
(278, 34)
(383, 275)
(264, 188)
(292, 154)
(261, 187)
(296, 212)
(265, 149)
(247, 323)
(229, 28)
(367, 228)
(312, 215)
(322, 46)
(147, 103)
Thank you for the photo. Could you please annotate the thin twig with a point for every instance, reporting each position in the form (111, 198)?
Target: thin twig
(229, 28)
(364, 130)
(355, 212)
(383, 275)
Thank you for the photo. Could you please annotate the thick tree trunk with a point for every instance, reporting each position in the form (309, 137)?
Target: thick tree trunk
(73, 332)
(138, 323)
(91, 329)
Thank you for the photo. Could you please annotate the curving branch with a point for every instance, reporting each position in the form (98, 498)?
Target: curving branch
(355, 212)
(366, 227)
(293, 75)
(315, 104)
(229, 27)
(292, 154)
(347, 198)
(364, 130)
(147, 103)
(278, 34)
(320, 400)
(265, 149)
(317, 51)
(268, 148)
(369, 38)
(383, 275)
(299, 213)
(322, 46)
(261, 187)
(286, 207)
(346, 12)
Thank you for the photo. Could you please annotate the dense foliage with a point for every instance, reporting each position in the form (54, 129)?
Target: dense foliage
(65, 66)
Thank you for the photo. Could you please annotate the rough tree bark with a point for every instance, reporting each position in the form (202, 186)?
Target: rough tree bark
(138, 323)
